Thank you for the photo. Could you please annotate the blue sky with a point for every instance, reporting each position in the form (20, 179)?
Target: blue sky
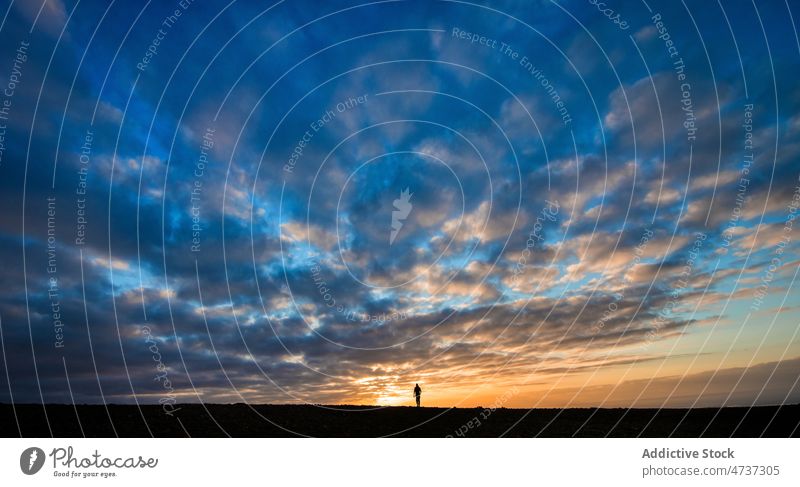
(600, 202)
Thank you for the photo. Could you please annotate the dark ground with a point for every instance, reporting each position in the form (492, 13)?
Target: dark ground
(240, 420)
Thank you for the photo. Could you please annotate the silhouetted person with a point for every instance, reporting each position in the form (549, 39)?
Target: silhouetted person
(417, 393)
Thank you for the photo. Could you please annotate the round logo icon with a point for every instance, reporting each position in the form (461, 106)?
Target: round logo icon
(31, 460)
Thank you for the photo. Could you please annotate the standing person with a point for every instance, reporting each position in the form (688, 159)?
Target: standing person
(417, 393)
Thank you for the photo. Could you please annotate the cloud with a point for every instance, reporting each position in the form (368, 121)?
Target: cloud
(262, 284)
(49, 15)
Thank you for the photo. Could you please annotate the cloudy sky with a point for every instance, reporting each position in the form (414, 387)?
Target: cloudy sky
(513, 203)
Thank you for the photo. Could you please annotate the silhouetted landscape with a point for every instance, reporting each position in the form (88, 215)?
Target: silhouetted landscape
(241, 420)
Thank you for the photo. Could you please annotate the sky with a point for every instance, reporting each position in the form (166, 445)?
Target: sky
(516, 204)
